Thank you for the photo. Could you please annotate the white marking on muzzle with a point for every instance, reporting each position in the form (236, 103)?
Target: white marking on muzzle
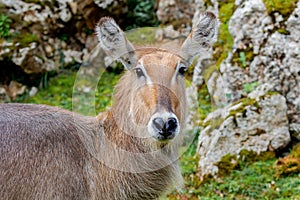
(165, 116)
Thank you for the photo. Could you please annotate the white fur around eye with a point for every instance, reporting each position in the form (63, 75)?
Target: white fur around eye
(178, 67)
(140, 66)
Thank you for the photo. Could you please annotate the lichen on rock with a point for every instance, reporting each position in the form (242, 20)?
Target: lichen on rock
(258, 126)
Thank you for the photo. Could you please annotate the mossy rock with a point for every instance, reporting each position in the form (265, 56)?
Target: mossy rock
(225, 40)
(231, 162)
(290, 164)
(25, 39)
(244, 57)
(284, 7)
(243, 104)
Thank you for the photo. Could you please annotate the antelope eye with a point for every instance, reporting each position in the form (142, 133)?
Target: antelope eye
(139, 72)
(182, 70)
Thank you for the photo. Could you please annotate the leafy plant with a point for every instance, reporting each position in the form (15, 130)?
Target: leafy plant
(4, 26)
(249, 87)
(243, 59)
(141, 13)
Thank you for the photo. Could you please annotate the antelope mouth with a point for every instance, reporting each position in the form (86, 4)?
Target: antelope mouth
(163, 127)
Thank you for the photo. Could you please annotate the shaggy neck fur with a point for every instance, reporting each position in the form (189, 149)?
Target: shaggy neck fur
(144, 168)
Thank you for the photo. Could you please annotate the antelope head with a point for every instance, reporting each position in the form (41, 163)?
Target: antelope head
(153, 85)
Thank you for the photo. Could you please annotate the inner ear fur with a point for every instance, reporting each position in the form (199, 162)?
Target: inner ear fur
(203, 35)
(114, 42)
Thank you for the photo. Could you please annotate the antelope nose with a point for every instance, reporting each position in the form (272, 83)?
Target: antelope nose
(166, 129)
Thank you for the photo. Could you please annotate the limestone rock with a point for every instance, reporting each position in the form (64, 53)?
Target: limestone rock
(47, 35)
(15, 89)
(261, 92)
(251, 125)
(176, 12)
(249, 25)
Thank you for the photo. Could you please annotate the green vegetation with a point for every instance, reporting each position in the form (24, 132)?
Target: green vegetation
(60, 89)
(26, 38)
(140, 36)
(225, 40)
(231, 162)
(141, 13)
(290, 164)
(249, 87)
(284, 7)
(250, 178)
(243, 57)
(204, 102)
(4, 26)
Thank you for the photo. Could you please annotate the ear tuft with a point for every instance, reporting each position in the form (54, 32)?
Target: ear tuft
(104, 20)
(206, 29)
(113, 41)
(108, 33)
(203, 35)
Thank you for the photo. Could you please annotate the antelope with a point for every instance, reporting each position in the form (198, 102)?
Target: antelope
(127, 152)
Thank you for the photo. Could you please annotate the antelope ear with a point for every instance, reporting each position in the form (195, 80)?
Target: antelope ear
(113, 41)
(203, 36)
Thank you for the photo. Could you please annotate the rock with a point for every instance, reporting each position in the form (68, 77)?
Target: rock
(103, 3)
(249, 25)
(45, 34)
(15, 89)
(258, 83)
(295, 130)
(178, 13)
(3, 94)
(70, 56)
(251, 125)
(33, 91)
(33, 59)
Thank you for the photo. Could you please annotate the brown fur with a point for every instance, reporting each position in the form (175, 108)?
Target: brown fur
(50, 153)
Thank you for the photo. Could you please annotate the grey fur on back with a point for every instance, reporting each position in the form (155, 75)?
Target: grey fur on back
(42, 154)
(51, 153)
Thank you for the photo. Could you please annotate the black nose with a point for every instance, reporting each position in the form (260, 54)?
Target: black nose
(165, 129)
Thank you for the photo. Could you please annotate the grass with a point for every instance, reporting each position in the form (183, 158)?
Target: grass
(257, 180)
(60, 89)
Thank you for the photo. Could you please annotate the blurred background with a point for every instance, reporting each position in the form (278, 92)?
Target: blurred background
(243, 93)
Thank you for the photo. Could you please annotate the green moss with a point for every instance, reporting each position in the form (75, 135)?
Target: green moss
(244, 102)
(283, 31)
(25, 39)
(204, 102)
(213, 124)
(249, 87)
(230, 162)
(208, 3)
(290, 164)
(284, 7)
(142, 36)
(208, 72)
(227, 164)
(225, 40)
(243, 58)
